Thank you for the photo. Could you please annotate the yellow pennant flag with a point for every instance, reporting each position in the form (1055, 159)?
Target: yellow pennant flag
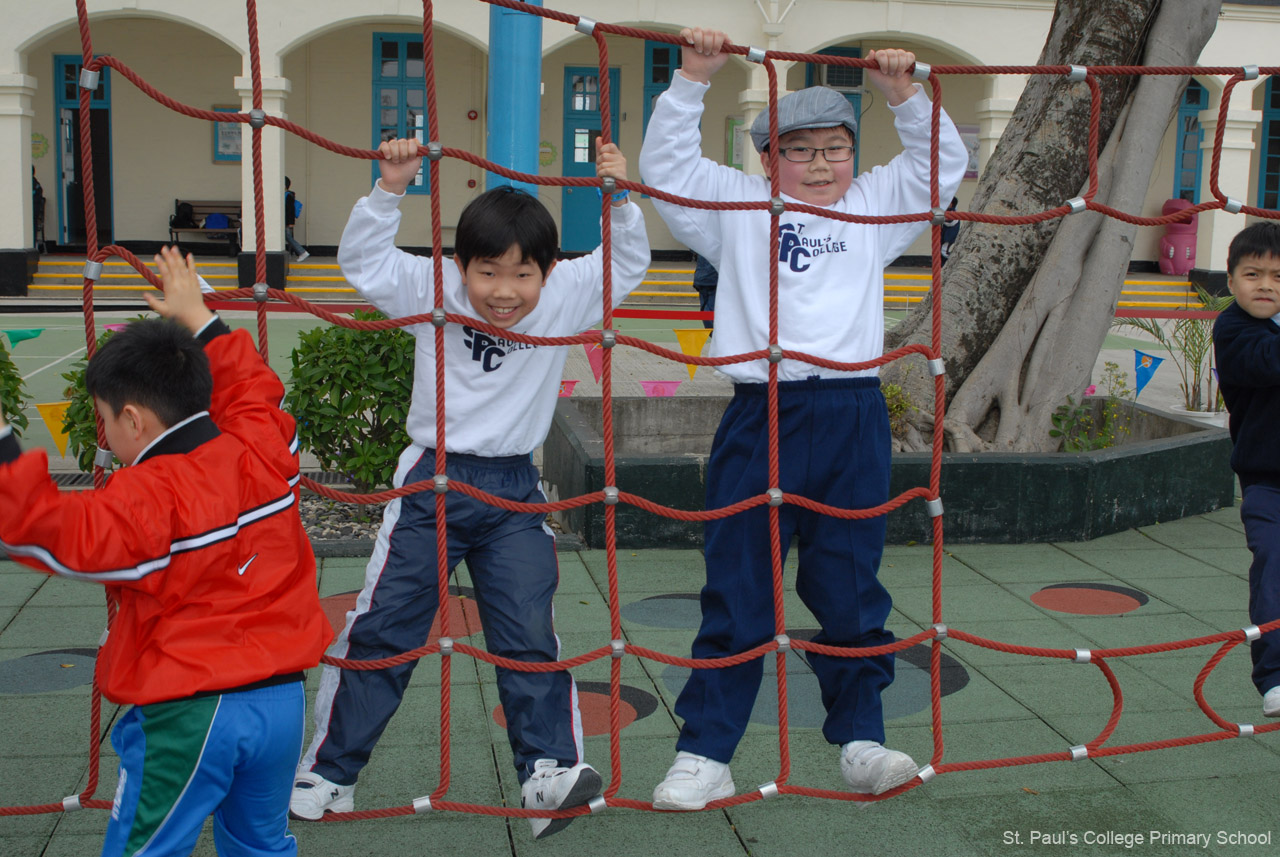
(53, 413)
(691, 342)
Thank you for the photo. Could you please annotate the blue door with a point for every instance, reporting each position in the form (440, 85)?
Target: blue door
(580, 207)
(70, 190)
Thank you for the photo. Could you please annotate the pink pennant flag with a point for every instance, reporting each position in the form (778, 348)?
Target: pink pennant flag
(595, 356)
(566, 388)
(657, 389)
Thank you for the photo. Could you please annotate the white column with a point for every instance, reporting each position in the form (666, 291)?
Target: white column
(994, 112)
(753, 101)
(1235, 170)
(16, 111)
(275, 92)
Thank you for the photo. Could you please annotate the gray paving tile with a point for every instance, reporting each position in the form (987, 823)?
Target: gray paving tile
(1042, 633)
(1235, 560)
(1136, 630)
(1141, 562)
(61, 592)
(18, 584)
(1026, 563)
(964, 605)
(1194, 532)
(1196, 594)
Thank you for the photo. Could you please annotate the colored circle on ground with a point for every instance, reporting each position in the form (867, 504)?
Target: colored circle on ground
(593, 703)
(908, 694)
(43, 672)
(681, 610)
(1089, 599)
(464, 613)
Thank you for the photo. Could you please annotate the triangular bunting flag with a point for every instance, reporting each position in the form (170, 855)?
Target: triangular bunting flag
(660, 389)
(691, 342)
(595, 356)
(1144, 366)
(53, 414)
(16, 336)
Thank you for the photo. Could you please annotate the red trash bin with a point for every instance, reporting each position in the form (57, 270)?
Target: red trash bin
(1178, 246)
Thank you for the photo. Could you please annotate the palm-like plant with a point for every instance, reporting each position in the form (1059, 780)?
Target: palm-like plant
(1189, 342)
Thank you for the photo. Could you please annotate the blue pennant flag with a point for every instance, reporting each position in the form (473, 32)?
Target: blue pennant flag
(1144, 366)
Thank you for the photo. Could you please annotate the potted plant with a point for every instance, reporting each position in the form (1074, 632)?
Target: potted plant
(13, 395)
(1189, 342)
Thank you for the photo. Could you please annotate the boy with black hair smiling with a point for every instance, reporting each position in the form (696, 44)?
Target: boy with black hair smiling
(834, 427)
(1246, 342)
(199, 544)
(501, 394)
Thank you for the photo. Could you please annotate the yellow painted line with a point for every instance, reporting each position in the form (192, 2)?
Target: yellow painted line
(1191, 295)
(1162, 304)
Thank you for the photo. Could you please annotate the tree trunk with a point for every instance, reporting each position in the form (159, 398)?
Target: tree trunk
(1026, 308)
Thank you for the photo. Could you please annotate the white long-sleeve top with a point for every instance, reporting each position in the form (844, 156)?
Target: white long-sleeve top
(830, 272)
(500, 394)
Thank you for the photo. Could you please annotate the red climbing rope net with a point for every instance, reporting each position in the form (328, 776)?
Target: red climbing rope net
(445, 646)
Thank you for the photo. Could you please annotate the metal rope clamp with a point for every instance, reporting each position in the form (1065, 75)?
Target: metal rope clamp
(1077, 204)
(1249, 72)
(1078, 74)
(937, 215)
(618, 647)
(1252, 633)
(775, 496)
(103, 458)
(775, 353)
(1083, 656)
(597, 804)
(437, 316)
(585, 25)
(440, 483)
(769, 790)
(608, 338)
(446, 645)
(1232, 205)
(777, 206)
(421, 805)
(435, 150)
(942, 631)
(1079, 752)
(921, 71)
(784, 642)
(257, 118)
(755, 54)
(611, 495)
(608, 185)
(71, 803)
(937, 367)
(933, 507)
(926, 773)
(89, 79)
(1245, 729)
(260, 292)
(92, 270)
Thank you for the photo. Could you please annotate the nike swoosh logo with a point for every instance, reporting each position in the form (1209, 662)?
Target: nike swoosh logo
(242, 568)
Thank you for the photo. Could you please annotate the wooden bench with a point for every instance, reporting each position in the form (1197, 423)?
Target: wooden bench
(200, 209)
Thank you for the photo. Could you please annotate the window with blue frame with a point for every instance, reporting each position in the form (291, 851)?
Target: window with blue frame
(1186, 174)
(1269, 160)
(399, 95)
(846, 79)
(660, 63)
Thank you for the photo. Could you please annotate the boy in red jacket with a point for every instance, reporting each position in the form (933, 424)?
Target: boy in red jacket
(199, 544)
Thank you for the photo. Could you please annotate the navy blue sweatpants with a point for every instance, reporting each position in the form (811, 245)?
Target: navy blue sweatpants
(1260, 512)
(834, 448)
(512, 560)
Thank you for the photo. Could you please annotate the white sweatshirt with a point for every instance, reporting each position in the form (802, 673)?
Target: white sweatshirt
(500, 394)
(830, 272)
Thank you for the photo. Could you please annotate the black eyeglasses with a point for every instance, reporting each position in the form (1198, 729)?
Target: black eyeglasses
(805, 154)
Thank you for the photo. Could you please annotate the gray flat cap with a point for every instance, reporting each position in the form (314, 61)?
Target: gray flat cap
(815, 107)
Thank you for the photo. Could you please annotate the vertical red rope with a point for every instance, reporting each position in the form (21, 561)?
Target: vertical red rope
(939, 410)
(437, 270)
(259, 204)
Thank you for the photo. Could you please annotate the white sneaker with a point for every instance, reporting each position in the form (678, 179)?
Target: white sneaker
(869, 768)
(693, 782)
(552, 787)
(313, 796)
(1271, 703)
(306, 254)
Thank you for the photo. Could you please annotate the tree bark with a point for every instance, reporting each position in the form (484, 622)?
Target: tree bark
(1026, 308)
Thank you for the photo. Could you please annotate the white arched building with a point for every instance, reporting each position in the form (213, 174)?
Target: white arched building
(352, 72)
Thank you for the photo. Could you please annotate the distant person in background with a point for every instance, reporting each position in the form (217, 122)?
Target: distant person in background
(705, 280)
(950, 231)
(292, 208)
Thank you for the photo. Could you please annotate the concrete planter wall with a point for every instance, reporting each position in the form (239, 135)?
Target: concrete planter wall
(1165, 469)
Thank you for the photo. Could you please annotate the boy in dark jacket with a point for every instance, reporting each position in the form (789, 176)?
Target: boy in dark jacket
(1246, 341)
(199, 544)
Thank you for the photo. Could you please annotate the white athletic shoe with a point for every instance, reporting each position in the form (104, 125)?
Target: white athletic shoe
(552, 787)
(1271, 703)
(313, 796)
(870, 768)
(306, 254)
(693, 782)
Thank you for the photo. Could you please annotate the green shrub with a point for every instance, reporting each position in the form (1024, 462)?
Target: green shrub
(13, 394)
(80, 421)
(350, 395)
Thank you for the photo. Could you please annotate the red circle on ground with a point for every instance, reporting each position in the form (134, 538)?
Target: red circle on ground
(595, 713)
(464, 615)
(1085, 601)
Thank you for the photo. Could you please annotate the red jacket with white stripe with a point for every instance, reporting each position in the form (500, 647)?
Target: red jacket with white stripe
(199, 541)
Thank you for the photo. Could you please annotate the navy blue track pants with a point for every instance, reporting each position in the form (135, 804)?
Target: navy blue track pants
(1260, 512)
(512, 560)
(834, 448)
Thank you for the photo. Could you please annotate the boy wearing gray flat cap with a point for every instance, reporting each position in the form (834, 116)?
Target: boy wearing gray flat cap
(833, 425)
